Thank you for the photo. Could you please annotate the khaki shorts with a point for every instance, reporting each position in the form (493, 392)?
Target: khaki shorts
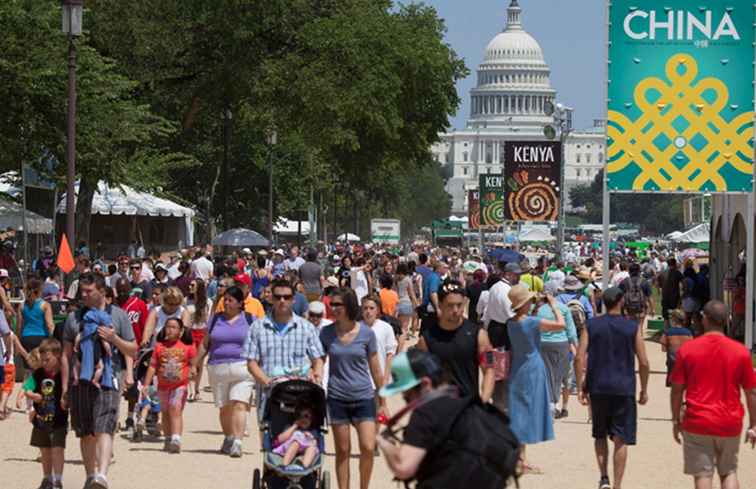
(703, 454)
(230, 382)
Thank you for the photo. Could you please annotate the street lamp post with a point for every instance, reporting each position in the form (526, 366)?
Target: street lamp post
(72, 19)
(272, 139)
(562, 120)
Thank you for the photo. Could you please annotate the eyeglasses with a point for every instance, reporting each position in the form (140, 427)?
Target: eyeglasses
(337, 304)
(286, 297)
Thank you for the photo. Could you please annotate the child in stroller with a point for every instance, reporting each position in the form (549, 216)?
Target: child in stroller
(145, 413)
(298, 439)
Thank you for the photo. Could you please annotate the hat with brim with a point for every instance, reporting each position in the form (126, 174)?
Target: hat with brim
(404, 378)
(572, 284)
(519, 295)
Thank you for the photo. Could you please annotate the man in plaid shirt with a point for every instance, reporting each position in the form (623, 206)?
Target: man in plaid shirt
(283, 342)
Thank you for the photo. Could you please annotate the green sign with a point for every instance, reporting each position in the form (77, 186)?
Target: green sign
(491, 200)
(680, 109)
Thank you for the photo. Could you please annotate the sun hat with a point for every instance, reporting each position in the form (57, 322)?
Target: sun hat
(332, 281)
(584, 274)
(572, 284)
(247, 251)
(525, 265)
(519, 295)
(279, 251)
(316, 307)
(407, 370)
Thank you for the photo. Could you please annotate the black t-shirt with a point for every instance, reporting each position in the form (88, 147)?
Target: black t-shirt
(671, 288)
(50, 415)
(473, 293)
(458, 352)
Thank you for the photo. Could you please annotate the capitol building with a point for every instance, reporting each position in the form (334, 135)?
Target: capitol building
(508, 104)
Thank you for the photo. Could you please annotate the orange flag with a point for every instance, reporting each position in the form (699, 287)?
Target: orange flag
(65, 257)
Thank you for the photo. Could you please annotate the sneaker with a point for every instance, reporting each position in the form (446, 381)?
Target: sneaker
(88, 482)
(563, 413)
(98, 482)
(174, 447)
(57, 485)
(46, 484)
(604, 483)
(236, 449)
(227, 444)
(166, 444)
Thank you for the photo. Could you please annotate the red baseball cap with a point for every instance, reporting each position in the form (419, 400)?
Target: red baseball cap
(243, 278)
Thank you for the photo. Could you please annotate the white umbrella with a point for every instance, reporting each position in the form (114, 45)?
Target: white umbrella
(348, 237)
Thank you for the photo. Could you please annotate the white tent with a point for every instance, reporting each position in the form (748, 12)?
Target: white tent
(698, 234)
(12, 215)
(348, 237)
(123, 200)
(288, 227)
(536, 234)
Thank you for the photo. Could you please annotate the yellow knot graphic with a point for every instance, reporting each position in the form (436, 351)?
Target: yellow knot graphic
(680, 141)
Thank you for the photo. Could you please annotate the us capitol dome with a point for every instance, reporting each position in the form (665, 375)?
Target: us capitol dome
(508, 103)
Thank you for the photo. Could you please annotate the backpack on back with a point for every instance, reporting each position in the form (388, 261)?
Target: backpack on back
(480, 445)
(579, 315)
(635, 299)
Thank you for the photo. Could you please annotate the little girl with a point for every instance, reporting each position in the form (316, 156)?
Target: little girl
(171, 361)
(298, 440)
(6, 390)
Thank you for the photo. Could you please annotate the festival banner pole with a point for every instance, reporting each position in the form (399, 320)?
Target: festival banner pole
(606, 209)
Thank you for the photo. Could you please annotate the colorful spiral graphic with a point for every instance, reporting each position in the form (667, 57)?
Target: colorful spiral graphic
(493, 213)
(475, 219)
(537, 201)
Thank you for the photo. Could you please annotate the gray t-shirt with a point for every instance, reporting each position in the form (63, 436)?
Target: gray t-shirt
(4, 331)
(349, 377)
(310, 273)
(121, 324)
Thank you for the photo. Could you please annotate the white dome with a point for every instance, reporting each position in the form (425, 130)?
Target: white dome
(512, 46)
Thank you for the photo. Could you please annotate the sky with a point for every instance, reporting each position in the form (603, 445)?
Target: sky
(571, 33)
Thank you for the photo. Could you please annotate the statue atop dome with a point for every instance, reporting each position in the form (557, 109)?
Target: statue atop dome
(514, 13)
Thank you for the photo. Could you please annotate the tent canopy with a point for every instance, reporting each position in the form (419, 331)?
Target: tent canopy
(12, 215)
(286, 226)
(698, 234)
(124, 200)
(241, 237)
(348, 237)
(536, 234)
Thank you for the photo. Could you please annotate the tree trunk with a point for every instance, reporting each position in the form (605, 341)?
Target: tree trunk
(87, 188)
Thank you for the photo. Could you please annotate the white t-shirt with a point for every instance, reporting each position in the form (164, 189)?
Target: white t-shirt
(386, 342)
(203, 268)
(294, 264)
(359, 284)
(499, 307)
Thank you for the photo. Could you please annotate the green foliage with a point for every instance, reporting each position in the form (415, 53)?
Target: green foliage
(654, 213)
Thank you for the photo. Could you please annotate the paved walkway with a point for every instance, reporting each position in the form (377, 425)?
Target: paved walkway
(568, 462)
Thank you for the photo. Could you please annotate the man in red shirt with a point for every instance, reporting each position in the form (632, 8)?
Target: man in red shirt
(711, 370)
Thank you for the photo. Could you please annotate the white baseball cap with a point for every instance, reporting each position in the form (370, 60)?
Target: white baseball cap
(317, 307)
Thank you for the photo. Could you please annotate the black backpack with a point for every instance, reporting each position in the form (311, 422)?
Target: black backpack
(635, 299)
(481, 451)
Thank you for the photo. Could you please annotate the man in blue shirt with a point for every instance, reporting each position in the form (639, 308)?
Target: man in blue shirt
(573, 290)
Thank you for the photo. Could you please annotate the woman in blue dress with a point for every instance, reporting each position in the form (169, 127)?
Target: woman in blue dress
(529, 398)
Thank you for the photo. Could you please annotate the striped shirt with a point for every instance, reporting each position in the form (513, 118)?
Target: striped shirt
(279, 353)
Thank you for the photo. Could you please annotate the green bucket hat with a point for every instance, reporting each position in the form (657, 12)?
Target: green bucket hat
(405, 376)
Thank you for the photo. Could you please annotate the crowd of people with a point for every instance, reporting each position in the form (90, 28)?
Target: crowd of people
(441, 326)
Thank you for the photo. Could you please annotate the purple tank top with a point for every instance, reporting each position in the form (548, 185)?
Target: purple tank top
(227, 340)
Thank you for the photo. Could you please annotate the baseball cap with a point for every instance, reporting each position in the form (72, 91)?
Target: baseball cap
(247, 251)
(612, 295)
(161, 266)
(332, 281)
(407, 370)
(316, 307)
(243, 278)
(279, 251)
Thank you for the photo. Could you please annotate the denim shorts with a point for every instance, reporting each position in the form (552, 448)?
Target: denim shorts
(351, 412)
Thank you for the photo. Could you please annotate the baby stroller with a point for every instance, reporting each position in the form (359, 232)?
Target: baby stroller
(151, 422)
(278, 413)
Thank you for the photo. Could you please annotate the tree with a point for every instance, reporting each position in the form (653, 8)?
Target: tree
(654, 213)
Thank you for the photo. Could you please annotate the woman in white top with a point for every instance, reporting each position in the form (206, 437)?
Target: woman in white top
(384, 335)
(171, 307)
(199, 309)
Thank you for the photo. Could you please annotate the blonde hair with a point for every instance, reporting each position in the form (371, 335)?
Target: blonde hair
(677, 317)
(172, 295)
(34, 360)
(51, 345)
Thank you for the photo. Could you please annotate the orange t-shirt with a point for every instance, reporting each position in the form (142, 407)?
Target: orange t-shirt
(171, 363)
(389, 300)
(251, 306)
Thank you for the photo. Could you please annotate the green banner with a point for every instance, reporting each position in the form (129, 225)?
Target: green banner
(491, 200)
(680, 109)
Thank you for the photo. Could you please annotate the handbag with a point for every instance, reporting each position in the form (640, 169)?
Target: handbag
(500, 360)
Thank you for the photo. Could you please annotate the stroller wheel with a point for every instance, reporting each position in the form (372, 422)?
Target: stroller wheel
(325, 480)
(256, 480)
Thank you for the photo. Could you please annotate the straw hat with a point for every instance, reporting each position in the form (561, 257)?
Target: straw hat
(519, 295)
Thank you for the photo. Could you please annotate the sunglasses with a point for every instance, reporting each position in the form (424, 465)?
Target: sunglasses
(316, 315)
(337, 304)
(136, 268)
(286, 297)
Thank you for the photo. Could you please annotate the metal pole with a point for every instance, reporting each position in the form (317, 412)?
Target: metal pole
(27, 265)
(606, 213)
(71, 148)
(749, 323)
(561, 223)
(271, 140)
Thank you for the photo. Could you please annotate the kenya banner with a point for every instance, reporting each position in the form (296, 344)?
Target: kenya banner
(531, 174)
(491, 200)
(473, 210)
(680, 109)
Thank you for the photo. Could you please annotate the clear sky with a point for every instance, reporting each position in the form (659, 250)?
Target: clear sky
(571, 33)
